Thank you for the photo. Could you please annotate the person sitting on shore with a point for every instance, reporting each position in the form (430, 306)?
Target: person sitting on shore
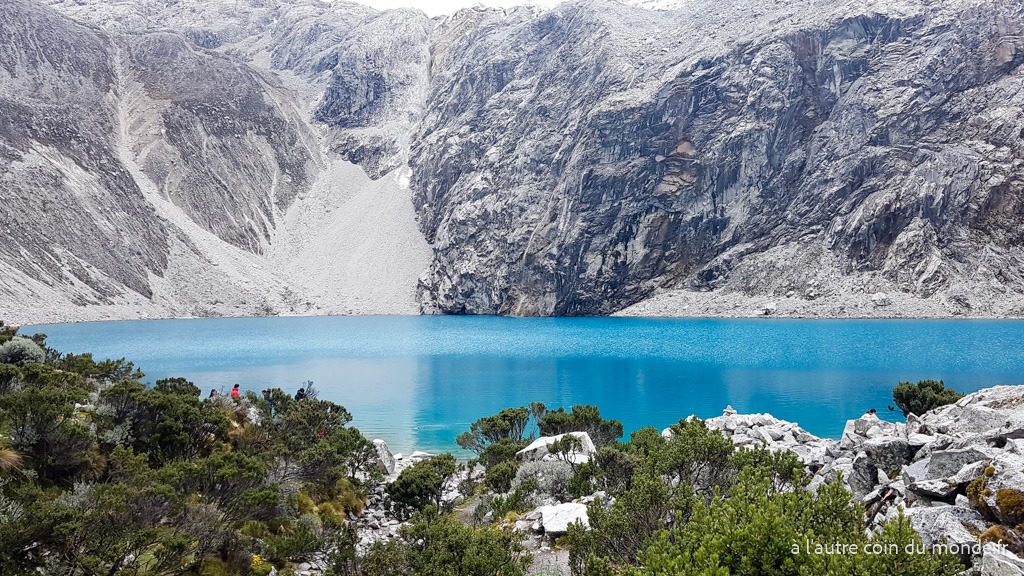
(301, 394)
(236, 392)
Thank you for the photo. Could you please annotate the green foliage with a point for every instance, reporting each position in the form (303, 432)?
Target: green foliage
(503, 450)
(6, 332)
(507, 425)
(759, 531)
(40, 424)
(500, 476)
(422, 485)
(21, 351)
(615, 468)
(924, 396)
(582, 418)
(153, 480)
(696, 506)
(439, 545)
(567, 448)
(103, 372)
(517, 501)
(167, 422)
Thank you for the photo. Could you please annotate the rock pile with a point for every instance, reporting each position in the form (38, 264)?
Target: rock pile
(957, 472)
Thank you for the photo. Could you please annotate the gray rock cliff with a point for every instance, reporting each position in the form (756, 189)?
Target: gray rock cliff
(577, 160)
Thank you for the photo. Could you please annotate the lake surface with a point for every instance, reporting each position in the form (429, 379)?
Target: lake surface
(418, 381)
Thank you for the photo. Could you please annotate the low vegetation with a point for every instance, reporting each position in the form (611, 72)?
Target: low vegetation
(924, 396)
(103, 474)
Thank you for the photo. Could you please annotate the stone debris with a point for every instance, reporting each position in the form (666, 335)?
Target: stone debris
(925, 467)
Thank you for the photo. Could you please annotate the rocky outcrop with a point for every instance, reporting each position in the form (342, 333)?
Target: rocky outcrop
(385, 459)
(791, 149)
(539, 449)
(556, 519)
(70, 213)
(957, 472)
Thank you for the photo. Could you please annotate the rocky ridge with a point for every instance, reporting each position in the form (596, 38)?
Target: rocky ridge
(957, 472)
(722, 158)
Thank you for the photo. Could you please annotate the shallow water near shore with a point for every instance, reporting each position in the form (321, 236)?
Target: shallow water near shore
(418, 381)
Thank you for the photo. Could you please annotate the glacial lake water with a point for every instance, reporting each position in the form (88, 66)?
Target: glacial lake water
(418, 381)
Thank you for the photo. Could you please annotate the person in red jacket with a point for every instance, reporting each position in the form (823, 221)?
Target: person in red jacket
(235, 392)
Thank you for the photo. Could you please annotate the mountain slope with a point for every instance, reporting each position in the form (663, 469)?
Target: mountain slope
(611, 154)
(177, 197)
(698, 158)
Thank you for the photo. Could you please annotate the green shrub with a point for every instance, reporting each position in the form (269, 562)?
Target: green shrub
(436, 544)
(924, 396)
(422, 485)
(21, 351)
(582, 418)
(518, 501)
(758, 530)
(500, 476)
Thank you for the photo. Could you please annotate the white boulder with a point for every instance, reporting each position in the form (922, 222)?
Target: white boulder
(538, 449)
(880, 299)
(556, 519)
(385, 460)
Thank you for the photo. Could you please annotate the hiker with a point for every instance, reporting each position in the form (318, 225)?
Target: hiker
(213, 393)
(235, 392)
(301, 394)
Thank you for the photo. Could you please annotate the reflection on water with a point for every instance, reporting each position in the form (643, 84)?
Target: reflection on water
(419, 381)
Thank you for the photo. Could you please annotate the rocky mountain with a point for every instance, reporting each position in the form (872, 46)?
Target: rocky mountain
(181, 157)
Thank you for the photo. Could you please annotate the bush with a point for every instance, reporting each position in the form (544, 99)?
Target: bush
(500, 476)
(509, 424)
(435, 544)
(21, 351)
(550, 478)
(758, 530)
(517, 501)
(422, 485)
(582, 418)
(924, 396)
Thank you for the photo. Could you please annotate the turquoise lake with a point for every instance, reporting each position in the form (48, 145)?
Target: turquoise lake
(418, 381)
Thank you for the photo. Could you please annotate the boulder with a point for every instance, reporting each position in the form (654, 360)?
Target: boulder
(889, 453)
(998, 410)
(538, 449)
(812, 455)
(864, 476)
(946, 463)
(998, 561)
(880, 299)
(385, 460)
(556, 519)
(867, 426)
(946, 524)
(933, 489)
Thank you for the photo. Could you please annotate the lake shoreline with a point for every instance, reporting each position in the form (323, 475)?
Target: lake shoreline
(419, 381)
(676, 305)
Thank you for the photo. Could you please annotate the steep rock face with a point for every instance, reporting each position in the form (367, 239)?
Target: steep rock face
(209, 132)
(575, 161)
(70, 216)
